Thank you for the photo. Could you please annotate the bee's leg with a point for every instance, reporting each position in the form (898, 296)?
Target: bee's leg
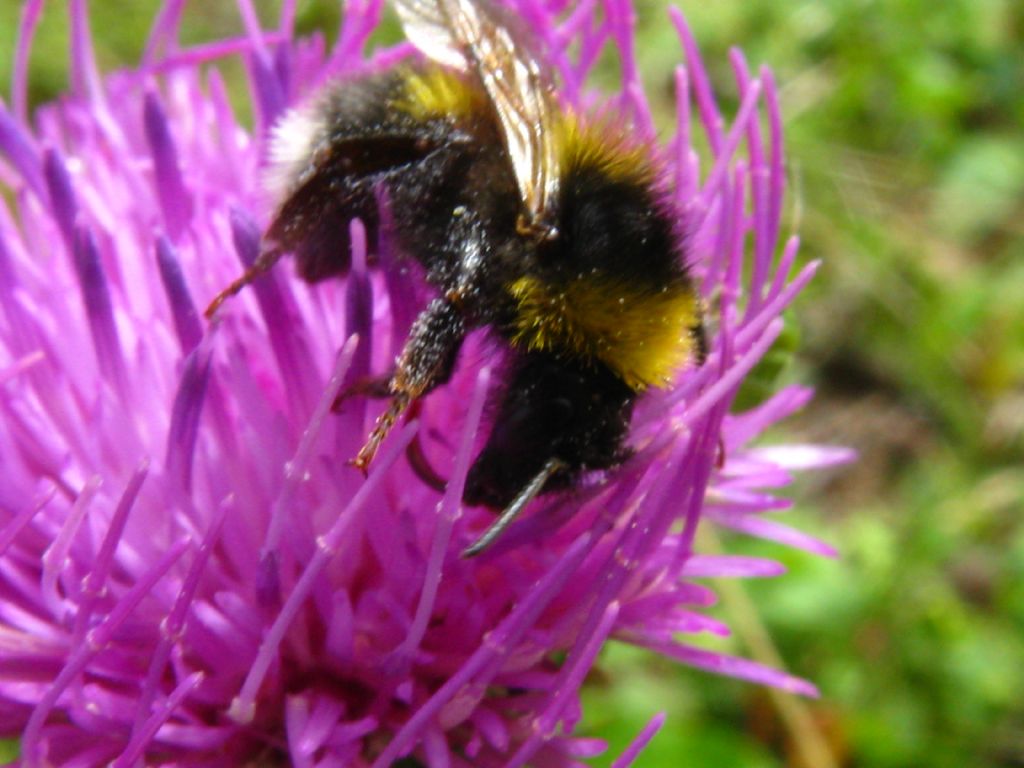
(376, 387)
(513, 510)
(427, 360)
(267, 258)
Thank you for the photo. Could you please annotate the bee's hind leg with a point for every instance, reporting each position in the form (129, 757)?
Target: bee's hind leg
(426, 361)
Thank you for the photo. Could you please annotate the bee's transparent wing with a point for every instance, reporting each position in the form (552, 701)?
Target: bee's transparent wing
(425, 25)
(475, 36)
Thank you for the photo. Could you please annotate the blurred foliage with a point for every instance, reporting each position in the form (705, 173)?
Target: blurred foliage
(906, 161)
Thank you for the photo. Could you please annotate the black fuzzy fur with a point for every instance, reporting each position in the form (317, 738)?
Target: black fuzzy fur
(455, 203)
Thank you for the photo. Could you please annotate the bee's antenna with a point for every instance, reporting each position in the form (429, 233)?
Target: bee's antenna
(512, 511)
(267, 259)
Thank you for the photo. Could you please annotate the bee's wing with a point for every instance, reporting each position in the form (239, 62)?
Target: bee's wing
(476, 36)
(426, 25)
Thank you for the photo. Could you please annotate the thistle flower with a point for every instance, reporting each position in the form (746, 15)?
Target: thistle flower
(189, 571)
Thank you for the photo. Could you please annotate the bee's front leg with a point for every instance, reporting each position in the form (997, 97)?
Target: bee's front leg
(376, 386)
(426, 361)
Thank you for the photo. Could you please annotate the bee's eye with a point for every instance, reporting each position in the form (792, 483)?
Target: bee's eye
(559, 412)
(533, 422)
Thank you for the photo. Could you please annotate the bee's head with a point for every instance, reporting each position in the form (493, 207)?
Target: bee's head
(552, 408)
(522, 439)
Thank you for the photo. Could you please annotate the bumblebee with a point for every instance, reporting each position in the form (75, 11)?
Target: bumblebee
(530, 220)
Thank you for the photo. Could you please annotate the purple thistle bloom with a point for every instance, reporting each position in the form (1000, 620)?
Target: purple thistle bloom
(189, 572)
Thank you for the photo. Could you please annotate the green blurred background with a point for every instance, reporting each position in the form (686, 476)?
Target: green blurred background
(906, 164)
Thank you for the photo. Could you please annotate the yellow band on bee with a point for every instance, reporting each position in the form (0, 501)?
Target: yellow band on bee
(644, 335)
(601, 145)
(441, 93)
(438, 92)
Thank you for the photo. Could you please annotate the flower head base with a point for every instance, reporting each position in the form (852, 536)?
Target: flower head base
(189, 570)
